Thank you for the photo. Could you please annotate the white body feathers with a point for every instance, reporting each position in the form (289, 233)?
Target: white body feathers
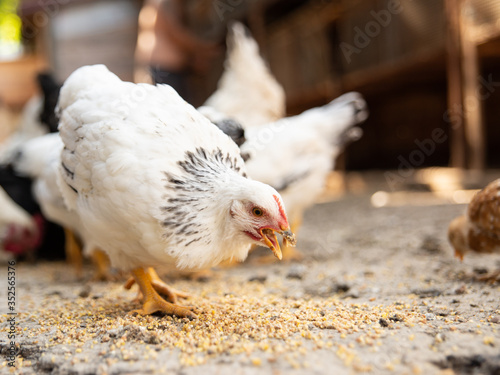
(40, 159)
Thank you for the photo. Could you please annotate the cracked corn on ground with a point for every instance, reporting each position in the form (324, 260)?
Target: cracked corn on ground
(374, 302)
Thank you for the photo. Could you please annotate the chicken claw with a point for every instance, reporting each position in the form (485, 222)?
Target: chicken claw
(160, 286)
(153, 302)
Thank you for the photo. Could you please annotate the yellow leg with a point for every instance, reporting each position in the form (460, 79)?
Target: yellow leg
(101, 262)
(152, 300)
(161, 287)
(73, 252)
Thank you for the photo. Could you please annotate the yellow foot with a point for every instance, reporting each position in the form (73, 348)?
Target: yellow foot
(73, 252)
(101, 262)
(161, 287)
(158, 304)
(152, 300)
(172, 295)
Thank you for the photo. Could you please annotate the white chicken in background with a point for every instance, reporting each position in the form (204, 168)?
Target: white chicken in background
(36, 120)
(20, 233)
(39, 159)
(295, 155)
(29, 127)
(158, 184)
(247, 91)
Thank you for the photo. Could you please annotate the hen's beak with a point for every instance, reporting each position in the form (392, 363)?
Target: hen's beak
(270, 239)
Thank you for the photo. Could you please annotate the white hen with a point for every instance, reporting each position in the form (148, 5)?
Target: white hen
(36, 119)
(39, 159)
(247, 91)
(29, 127)
(158, 184)
(296, 154)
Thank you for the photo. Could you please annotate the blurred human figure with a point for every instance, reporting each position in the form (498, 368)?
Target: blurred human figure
(167, 50)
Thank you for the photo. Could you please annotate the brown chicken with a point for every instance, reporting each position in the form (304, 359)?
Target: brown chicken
(479, 229)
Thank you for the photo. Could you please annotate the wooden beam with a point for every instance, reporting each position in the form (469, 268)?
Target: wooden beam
(256, 24)
(454, 77)
(397, 72)
(473, 111)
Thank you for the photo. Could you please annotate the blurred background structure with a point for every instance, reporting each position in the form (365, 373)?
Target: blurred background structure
(429, 69)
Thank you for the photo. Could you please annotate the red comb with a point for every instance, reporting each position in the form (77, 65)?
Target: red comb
(282, 211)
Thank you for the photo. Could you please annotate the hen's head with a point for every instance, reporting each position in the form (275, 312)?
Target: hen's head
(259, 214)
(457, 235)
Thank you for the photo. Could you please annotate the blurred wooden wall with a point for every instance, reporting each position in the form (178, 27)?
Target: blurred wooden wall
(396, 53)
(406, 57)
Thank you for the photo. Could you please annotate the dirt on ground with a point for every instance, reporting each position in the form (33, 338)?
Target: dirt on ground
(378, 291)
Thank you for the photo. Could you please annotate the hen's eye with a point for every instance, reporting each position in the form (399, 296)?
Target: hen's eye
(257, 211)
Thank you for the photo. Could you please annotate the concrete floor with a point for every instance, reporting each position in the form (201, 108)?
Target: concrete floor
(378, 291)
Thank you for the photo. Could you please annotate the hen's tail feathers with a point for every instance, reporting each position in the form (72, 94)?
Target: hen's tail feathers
(348, 111)
(353, 100)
